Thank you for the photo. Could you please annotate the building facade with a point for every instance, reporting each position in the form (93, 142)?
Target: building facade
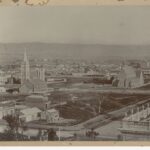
(51, 115)
(40, 73)
(6, 110)
(129, 78)
(2, 89)
(3, 77)
(136, 123)
(30, 114)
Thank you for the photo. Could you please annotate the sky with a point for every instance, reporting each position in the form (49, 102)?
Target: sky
(123, 25)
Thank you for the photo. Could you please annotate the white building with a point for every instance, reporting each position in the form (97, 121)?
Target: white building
(2, 89)
(3, 77)
(3, 126)
(51, 115)
(6, 110)
(30, 114)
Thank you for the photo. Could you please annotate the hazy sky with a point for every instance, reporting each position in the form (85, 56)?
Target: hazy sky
(59, 24)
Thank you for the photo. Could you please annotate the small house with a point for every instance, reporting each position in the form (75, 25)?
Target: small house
(51, 115)
(30, 114)
(6, 110)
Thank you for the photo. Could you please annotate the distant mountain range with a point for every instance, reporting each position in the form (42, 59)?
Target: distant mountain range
(10, 51)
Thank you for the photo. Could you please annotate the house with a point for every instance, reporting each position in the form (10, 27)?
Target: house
(6, 110)
(12, 88)
(51, 115)
(30, 114)
(3, 77)
(3, 126)
(2, 89)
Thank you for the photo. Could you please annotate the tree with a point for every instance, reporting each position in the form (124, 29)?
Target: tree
(120, 138)
(112, 78)
(39, 135)
(15, 1)
(52, 135)
(13, 126)
(75, 136)
(8, 135)
(23, 128)
(91, 134)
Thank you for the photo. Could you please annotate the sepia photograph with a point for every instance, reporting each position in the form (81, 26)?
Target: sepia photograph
(75, 73)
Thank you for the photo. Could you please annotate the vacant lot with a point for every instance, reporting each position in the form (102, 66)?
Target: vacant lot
(87, 105)
(82, 106)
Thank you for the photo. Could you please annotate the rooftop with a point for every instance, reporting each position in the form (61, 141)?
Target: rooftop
(52, 110)
(37, 97)
(29, 111)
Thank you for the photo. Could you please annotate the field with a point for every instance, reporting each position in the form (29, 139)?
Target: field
(82, 106)
(87, 105)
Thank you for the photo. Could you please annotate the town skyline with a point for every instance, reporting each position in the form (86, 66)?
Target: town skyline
(89, 52)
(75, 73)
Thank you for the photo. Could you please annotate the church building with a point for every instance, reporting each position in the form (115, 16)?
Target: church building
(32, 83)
(130, 78)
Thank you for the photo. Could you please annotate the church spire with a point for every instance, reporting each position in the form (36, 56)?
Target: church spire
(25, 56)
(25, 68)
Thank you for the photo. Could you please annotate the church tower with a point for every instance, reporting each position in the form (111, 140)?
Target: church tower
(141, 79)
(25, 69)
(40, 73)
(147, 64)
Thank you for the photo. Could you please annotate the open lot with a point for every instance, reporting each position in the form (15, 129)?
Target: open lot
(84, 105)
(87, 104)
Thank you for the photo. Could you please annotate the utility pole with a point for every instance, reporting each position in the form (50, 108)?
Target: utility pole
(59, 117)
(59, 134)
(100, 103)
